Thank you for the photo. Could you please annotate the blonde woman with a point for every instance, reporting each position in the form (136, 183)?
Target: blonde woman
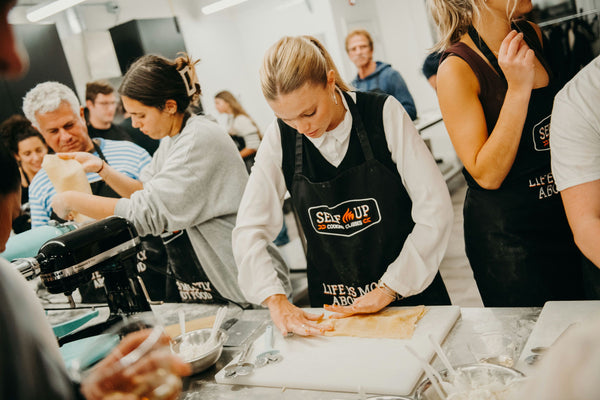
(373, 205)
(495, 92)
(241, 127)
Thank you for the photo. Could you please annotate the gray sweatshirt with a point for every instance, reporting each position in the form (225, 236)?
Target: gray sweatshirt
(195, 182)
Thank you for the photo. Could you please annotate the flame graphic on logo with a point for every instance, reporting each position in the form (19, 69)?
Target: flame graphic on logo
(348, 216)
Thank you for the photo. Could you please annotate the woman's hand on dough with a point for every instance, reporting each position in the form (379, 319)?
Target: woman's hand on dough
(61, 207)
(370, 303)
(290, 319)
(90, 162)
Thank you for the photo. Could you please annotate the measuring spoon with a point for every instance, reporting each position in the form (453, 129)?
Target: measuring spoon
(269, 354)
(242, 367)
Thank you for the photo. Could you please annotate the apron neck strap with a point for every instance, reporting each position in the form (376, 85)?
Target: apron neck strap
(298, 159)
(99, 151)
(360, 128)
(483, 47)
(356, 124)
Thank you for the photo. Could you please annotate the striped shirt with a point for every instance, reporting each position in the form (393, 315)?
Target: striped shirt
(126, 157)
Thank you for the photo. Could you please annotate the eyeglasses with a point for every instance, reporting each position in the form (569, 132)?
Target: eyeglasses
(106, 103)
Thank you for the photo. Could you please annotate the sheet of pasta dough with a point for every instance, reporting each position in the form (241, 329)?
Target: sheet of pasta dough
(67, 175)
(388, 324)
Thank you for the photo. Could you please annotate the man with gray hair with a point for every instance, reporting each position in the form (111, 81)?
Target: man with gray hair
(54, 110)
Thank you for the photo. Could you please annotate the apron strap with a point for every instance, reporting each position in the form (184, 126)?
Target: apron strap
(99, 151)
(356, 124)
(360, 128)
(483, 47)
(298, 159)
(527, 32)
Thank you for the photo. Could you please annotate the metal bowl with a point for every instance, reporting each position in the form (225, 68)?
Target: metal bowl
(198, 338)
(501, 374)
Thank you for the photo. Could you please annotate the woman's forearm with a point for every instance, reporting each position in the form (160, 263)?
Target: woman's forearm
(93, 206)
(497, 155)
(119, 182)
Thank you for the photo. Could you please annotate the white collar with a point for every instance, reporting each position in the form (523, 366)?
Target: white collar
(340, 132)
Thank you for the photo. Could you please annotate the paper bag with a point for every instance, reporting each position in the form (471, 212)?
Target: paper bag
(67, 175)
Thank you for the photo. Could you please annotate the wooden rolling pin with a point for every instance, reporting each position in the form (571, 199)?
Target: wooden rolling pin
(192, 325)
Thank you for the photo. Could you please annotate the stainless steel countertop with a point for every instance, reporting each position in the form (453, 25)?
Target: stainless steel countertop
(472, 322)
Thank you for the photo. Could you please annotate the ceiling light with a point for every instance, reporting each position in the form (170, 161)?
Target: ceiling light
(49, 8)
(220, 5)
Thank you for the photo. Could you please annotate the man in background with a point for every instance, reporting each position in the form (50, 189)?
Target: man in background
(376, 76)
(54, 110)
(101, 106)
(430, 68)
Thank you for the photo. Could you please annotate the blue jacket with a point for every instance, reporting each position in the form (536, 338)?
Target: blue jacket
(388, 80)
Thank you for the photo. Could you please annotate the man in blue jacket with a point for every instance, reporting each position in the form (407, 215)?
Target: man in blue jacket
(376, 76)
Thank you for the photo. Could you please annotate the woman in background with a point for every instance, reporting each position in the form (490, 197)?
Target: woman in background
(241, 127)
(496, 92)
(246, 135)
(29, 149)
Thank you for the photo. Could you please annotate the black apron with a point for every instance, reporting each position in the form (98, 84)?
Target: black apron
(187, 283)
(355, 217)
(240, 142)
(517, 237)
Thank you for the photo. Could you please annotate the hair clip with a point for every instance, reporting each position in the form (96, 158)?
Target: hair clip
(187, 80)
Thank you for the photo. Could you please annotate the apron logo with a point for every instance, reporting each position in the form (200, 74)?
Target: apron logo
(541, 135)
(194, 291)
(345, 219)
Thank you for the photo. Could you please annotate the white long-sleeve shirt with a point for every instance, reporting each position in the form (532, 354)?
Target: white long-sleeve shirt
(260, 214)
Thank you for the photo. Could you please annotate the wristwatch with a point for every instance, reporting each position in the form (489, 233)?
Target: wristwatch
(388, 290)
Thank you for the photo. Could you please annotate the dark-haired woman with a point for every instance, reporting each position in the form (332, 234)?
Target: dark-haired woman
(192, 188)
(29, 149)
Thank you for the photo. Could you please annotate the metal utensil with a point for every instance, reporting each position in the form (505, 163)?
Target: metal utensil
(532, 359)
(540, 350)
(242, 367)
(269, 354)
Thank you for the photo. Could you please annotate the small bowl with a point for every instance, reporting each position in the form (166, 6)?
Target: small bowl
(505, 375)
(199, 337)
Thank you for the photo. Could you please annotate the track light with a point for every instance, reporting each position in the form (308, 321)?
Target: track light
(49, 8)
(220, 5)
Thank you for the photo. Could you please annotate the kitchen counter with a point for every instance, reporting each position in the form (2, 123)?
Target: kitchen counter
(472, 322)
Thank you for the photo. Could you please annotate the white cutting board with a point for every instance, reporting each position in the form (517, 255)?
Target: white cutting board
(555, 317)
(348, 364)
